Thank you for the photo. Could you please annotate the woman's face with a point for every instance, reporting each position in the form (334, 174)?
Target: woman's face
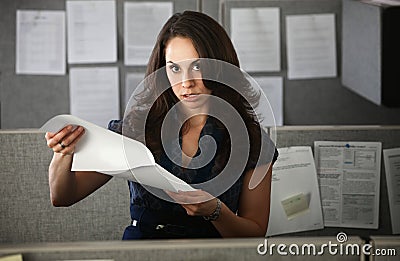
(184, 72)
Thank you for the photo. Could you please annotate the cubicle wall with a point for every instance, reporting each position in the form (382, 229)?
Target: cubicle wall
(28, 216)
(241, 249)
(27, 101)
(26, 212)
(306, 135)
(388, 248)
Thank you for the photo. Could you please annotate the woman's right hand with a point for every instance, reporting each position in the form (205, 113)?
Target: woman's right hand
(68, 187)
(64, 141)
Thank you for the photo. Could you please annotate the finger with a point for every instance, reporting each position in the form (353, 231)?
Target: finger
(57, 148)
(194, 193)
(175, 196)
(80, 133)
(179, 198)
(170, 193)
(72, 137)
(195, 209)
(188, 210)
(58, 136)
(70, 148)
(197, 196)
(49, 135)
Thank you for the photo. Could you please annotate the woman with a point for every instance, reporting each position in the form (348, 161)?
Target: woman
(240, 211)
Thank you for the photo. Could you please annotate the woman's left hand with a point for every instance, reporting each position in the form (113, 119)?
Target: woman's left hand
(196, 203)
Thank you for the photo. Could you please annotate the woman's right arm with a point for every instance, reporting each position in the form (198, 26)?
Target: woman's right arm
(68, 187)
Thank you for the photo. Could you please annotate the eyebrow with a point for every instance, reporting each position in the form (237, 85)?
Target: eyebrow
(195, 61)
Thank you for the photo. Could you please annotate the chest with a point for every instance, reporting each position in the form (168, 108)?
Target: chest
(190, 145)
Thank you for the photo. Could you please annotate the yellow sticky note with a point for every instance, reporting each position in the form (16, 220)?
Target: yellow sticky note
(11, 258)
(295, 205)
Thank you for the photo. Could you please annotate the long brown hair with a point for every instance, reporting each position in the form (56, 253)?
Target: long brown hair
(210, 41)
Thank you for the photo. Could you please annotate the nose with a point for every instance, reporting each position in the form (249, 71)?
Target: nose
(187, 80)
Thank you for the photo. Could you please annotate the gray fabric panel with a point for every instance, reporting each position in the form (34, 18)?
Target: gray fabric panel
(28, 216)
(389, 243)
(26, 211)
(211, 249)
(305, 136)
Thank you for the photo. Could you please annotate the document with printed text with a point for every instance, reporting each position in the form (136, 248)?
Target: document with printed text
(142, 22)
(92, 31)
(273, 90)
(392, 169)
(349, 180)
(132, 81)
(311, 46)
(40, 43)
(94, 94)
(255, 34)
(295, 198)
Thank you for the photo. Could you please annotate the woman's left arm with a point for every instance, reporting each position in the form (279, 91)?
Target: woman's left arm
(253, 212)
(254, 205)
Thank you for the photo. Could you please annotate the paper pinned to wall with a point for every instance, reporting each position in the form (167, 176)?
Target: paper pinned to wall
(40, 44)
(311, 46)
(92, 35)
(294, 177)
(132, 81)
(94, 94)
(349, 178)
(392, 168)
(273, 90)
(255, 33)
(142, 23)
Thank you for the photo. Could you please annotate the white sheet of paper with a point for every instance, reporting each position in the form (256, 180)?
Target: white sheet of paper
(92, 35)
(311, 46)
(392, 168)
(94, 94)
(142, 23)
(132, 81)
(349, 179)
(293, 174)
(107, 152)
(273, 90)
(255, 33)
(40, 44)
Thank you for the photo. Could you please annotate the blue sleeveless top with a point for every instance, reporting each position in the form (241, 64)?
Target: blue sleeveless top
(140, 196)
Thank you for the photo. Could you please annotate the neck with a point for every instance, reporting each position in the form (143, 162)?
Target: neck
(197, 121)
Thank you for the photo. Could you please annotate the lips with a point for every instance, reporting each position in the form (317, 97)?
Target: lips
(190, 96)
